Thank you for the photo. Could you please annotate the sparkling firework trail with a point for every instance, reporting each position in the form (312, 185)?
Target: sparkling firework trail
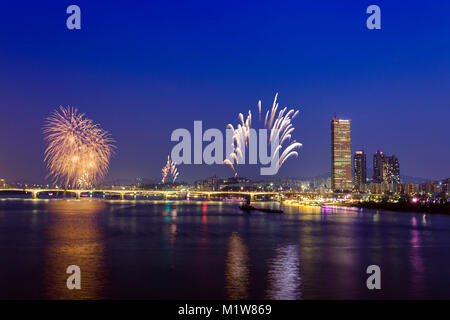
(280, 125)
(169, 168)
(78, 150)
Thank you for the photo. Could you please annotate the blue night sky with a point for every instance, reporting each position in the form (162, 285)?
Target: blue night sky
(144, 68)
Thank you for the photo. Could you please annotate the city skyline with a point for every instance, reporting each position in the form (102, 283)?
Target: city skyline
(173, 69)
(211, 158)
(383, 165)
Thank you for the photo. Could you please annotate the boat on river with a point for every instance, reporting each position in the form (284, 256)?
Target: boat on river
(248, 208)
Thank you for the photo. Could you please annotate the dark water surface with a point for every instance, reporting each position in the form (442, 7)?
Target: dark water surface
(210, 250)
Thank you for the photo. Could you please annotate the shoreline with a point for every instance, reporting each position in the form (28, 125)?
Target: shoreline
(405, 207)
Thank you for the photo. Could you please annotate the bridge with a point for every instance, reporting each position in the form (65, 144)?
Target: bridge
(164, 193)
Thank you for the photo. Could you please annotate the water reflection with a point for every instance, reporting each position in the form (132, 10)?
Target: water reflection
(376, 217)
(416, 260)
(74, 237)
(170, 227)
(204, 233)
(291, 255)
(204, 211)
(284, 274)
(237, 274)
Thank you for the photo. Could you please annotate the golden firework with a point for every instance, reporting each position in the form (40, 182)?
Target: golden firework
(78, 150)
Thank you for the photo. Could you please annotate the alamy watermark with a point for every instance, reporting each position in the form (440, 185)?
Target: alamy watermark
(73, 22)
(374, 280)
(74, 280)
(189, 149)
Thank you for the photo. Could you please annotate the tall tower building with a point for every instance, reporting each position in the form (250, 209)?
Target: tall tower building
(378, 164)
(341, 155)
(359, 170)
(391, 170)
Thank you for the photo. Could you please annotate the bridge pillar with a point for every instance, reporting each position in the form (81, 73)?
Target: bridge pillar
(78, 195)
(34, 194)
(122, 196)
(280, 197)
(208, 196)
(165, 196)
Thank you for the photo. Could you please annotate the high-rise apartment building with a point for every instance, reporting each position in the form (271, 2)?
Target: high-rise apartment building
(391, 170)
(341, 155)
(378, 160)
(359, 170)
(385, 168)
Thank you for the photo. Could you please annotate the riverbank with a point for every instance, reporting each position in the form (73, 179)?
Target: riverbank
(406, 206)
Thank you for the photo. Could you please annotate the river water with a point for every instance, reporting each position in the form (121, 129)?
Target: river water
(211, 250)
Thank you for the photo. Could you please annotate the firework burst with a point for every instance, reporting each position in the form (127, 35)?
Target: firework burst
(78, 150)
(169, 168)
(276, 124)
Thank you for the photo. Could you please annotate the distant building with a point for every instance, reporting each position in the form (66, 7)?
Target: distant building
(422, 188)
(431, 187)
(378, 160)
(210, 184)
(375, 188)
(391, 170)
(385, 168)
(446, 186)
(359, 170)
(235, 180)
(410, 188)
(341, 155)
(385, 188)
(2, 183)
(398, 188)
(213, 183)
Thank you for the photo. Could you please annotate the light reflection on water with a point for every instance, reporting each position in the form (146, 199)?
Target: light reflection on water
(284, 274)
(417, 263)
(74, 237)
(237, 274)
(170, 226)
(205, 249)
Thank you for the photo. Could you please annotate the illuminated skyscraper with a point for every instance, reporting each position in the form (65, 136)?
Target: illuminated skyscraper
(341, 155)
(385, 168)
(391, 170)
(359, 170)
(378, 160)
